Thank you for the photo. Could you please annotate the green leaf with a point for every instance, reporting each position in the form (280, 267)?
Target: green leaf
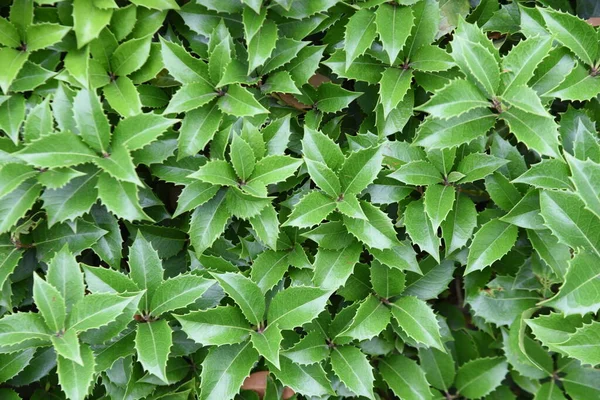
(502, 192)
(393, 86)
(178, 292)
(425, 25)
(91, 121)
(157, 4)
(280, 82)
(520, 63)
(242, 156)
(120, 198)
(239, 102)
(323, 177)
(122, 95)
(217, 172)
(309, 350)
(96, 310)
(333, 98)
(11, 62)
(119, 165)
(19, 327)
(436, 133)
(12, 114)
(308, 379)
(88, 21)
(10, 35)
(526, 214)
(353, 369)
(360, 169)
(39, 121)
(50, 303)
(360, 33)
(245, 293)
(297, 305)
(130, 56)
(43, 35)
(197, 129)
(584, 176)
(393, 26)
(14, 205)
(491, 242)
(569, 221)
(153, 342)
(261, 45)
(224, 370)
(76, 379)
(67, 346)
(136, 132)
(106, 280)
(405, 377)
(419, 227)
(14, 363)
(477, 63)
(455, 99)
(386, 281)
(573, 33)
(181, 65)
(376, 231)
(320, 147)
(312, 208)
(216, 326)
(438, 366)
(12, 175)
(578, 294)
(208, 222)
(582, 345)
(430, 58)
(145, 268)
(268, 269)
(371, 318)
(527, 128)
(333, 267)
(477, 166)
(439, 201)
(578, 85)
(419, 172)
(267, 343)
(418, 321)
(400, 256)
(477, 378)
(72, 200)
(64, 274)
(190, 97)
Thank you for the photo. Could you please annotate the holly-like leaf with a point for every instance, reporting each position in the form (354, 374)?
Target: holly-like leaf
(370, 319)
(353, 369)
(50, 303)
(245, 293)
(491, 242)
(477, 378)
(418, 321)
(296, 306)
(224, 369)
(333, 267)
(75, 379)
(405, 377)
(208, 222)
(97, 310)
(178, 292)
(153, 342)
(455, 99)
(393, 26)
(267, 343)
(312, 208)
(360, 33)
(216, 326)
(419, 227)
(360, 169)
(375, 231)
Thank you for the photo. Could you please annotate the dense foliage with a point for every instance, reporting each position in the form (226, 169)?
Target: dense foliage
(365, 198)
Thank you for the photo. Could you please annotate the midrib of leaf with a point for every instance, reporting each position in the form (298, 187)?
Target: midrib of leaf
(401, 378)
(367, 389)
(154, 347)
